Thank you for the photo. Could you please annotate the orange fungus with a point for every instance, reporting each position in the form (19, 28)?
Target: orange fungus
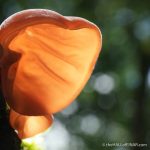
(45, 61)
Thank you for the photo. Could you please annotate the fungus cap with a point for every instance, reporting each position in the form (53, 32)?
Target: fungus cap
(45, 61)
(28, 126)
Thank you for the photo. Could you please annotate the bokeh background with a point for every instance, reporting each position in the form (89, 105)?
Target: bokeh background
(114, 107)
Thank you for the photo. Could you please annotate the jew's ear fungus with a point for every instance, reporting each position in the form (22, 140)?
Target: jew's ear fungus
(28, 126)
(57, 55)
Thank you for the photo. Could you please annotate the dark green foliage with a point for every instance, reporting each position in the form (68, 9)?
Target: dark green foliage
(8, 137)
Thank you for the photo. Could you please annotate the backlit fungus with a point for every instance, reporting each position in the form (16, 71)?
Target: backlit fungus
(45, 61)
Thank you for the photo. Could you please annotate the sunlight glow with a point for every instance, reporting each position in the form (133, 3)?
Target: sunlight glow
(104, 84)
(90, 124)
(58, 138)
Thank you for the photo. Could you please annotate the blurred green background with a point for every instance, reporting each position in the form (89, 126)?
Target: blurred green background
(114, 107)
